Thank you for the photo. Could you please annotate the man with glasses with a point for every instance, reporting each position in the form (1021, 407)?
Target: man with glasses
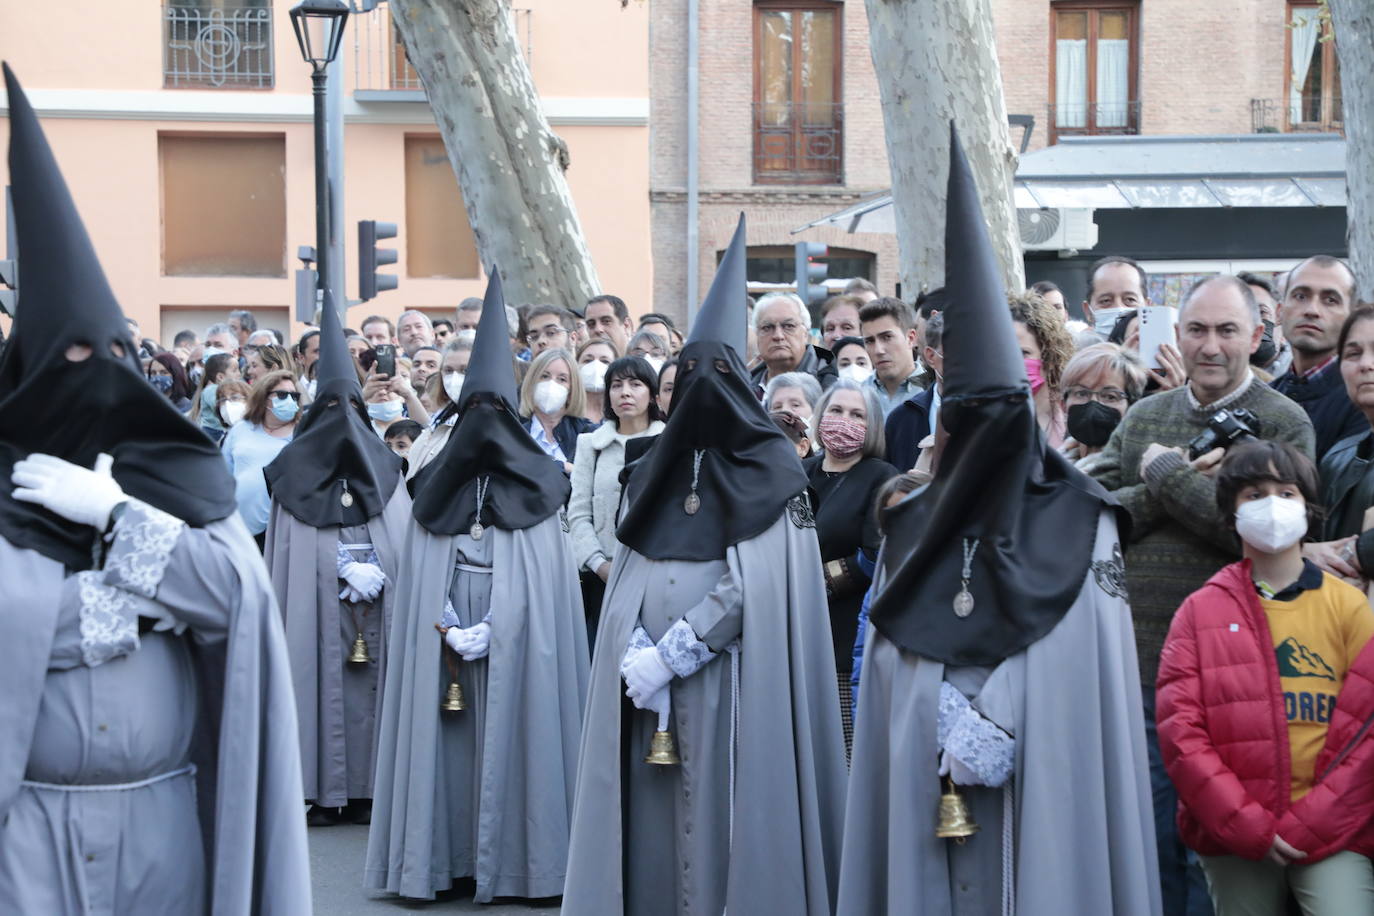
(550, 327)
(783, 327)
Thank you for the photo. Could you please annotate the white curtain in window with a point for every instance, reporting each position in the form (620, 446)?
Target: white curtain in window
(1071, 82)
(1113, 81)
(1306, 28)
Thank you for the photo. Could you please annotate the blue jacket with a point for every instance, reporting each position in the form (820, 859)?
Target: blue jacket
(906, 426)
(869, 567)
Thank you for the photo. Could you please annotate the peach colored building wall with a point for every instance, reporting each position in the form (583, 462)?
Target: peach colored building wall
(104, 108)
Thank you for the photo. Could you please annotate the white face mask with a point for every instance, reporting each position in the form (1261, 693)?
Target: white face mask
(232, 411)
(1272, 524)
(593, 375)
(1105, 319)
(550, 396)
(856, 373)
(655, 363)
(386, 411)
(310, 388)
(453, 385)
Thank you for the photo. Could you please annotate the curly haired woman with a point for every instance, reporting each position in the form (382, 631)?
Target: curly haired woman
(1046, 346)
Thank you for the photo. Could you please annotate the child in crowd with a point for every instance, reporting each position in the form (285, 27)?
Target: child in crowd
(401, 435)
(1265, 702)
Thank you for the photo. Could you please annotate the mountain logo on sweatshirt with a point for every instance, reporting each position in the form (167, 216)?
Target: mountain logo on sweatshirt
(1296, 660)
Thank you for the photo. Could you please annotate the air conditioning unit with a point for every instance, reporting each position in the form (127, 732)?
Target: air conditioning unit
(1069, 229)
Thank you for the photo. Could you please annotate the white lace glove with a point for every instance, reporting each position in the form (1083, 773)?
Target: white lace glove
(366, 579)
(475, 642)
(646, 674)
(69, 490)
(955, 769)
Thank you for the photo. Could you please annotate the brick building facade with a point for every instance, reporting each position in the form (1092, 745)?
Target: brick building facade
(1156, 67)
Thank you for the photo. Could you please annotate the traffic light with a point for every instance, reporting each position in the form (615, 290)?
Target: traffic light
(810, 272)
(370, 257)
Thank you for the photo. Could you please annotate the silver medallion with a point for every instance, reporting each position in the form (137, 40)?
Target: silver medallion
(476, 531)
(346, 499)
(963, 603)
(691, 504)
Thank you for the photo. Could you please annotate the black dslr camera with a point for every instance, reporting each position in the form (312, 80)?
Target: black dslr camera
(1224, 429)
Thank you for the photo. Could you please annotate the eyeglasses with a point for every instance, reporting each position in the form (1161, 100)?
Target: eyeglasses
(1109, 397)
(788, 327)
(283, 395)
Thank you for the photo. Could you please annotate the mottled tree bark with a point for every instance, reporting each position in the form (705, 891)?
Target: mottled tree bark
(508, 161)
(936, 60)
(1352, 23)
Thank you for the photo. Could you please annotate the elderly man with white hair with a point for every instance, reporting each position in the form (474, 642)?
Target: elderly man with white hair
(783, 326)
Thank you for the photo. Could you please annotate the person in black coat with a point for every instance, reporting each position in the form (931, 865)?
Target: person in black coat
(914, 419)
(552, 401)
(845, 479)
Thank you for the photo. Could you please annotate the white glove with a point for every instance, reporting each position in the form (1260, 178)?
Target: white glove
(69, 490)
(475, 642)
(660, 702)
(367, 579)
(645, 675)
(453, 637)
(349, 593)
(954, 768)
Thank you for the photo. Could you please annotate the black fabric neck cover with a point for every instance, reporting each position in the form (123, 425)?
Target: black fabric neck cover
(524, 486)
(748, 469)
(335, 449)
(76, 410)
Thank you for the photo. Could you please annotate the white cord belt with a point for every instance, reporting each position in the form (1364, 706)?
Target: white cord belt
(189, 769)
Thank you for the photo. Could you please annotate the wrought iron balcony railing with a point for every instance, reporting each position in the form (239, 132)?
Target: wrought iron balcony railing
(1096, 119)
(798, 142)
(1309, 113)
(379, 56)
(228, 47)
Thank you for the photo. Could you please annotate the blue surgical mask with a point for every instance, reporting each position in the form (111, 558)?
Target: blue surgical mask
(162, 383)
(386, 411)
(285, 409)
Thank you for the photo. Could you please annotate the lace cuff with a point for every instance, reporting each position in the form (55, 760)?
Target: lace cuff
(953, 704)
(346, 558)
(109, 620)
(143, 541)
(639, 639)
(449, 617)
(682, 651)
(982, 747)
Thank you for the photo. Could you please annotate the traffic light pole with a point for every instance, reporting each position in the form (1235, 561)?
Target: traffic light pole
(319, 78)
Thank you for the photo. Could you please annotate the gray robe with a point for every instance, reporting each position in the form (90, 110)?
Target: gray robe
(1083, 827)
(336, 702)
(148, 773)
(486, 792)
(649, 839)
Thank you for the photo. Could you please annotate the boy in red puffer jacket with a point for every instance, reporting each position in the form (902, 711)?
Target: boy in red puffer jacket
(1266, 707)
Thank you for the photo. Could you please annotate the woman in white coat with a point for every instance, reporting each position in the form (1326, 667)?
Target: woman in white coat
(631, 411)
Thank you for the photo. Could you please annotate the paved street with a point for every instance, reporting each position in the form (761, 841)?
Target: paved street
(336, 862)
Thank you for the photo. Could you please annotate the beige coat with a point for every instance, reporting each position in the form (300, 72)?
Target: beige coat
(596, 493)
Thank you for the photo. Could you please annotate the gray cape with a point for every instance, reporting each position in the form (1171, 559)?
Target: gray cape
(781, 852)
(1083, 823)
(336, 702)
(486, 792)
(244, 746)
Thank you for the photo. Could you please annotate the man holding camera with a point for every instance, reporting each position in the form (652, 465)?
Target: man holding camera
(1158, 464)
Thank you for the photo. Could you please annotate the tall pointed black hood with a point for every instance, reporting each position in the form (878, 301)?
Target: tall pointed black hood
(76, 410)
(336, 471)
(719, 453)
(489, 453)
(1012, 514)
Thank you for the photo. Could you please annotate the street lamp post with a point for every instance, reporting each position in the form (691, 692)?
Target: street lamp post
(319, 26)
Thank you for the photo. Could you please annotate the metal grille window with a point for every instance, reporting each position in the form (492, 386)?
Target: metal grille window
(217, 44)
(798, 112)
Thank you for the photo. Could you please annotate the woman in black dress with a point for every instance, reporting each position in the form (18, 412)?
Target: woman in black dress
(845, 477)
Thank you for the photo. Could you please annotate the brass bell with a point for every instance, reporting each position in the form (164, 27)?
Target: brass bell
(359, 654)
(662, 750)
(955, 822)
(453, 698)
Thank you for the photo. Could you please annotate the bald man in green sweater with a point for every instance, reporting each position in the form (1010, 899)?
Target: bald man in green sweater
(1178, 537)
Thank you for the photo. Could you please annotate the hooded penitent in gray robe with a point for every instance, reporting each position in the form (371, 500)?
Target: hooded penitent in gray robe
(336, 701)
(486, 792)
(143, 771)
(1081, 835)
(684, 839)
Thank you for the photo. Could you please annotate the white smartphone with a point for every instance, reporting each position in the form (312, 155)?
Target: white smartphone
(1158, 325)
